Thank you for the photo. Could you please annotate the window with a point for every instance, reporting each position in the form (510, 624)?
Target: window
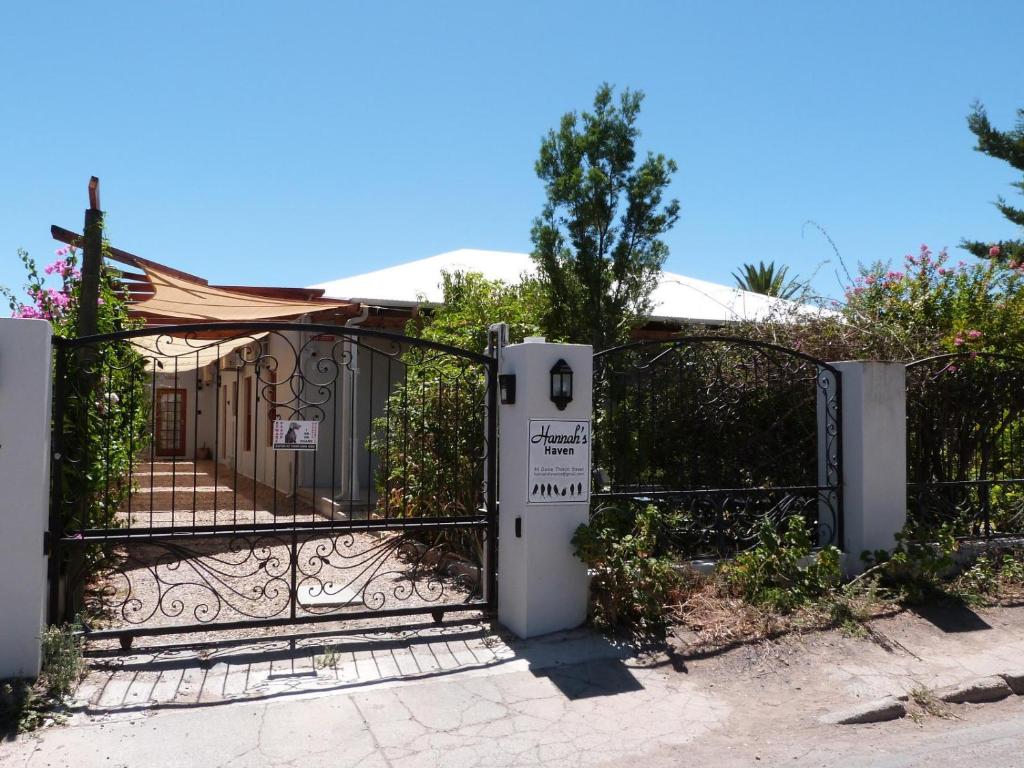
(223, 417)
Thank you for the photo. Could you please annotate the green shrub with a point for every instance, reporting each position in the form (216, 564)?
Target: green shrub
(915, 570)
(634, 579)
(782, 572)
(62, 659)
(988, 577)
(25, 704)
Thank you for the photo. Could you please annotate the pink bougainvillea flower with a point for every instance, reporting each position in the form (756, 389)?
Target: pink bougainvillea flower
(994, 251)
(974, 334)
(27, 312)
(57, 298)
(951, 368)
(959, 340)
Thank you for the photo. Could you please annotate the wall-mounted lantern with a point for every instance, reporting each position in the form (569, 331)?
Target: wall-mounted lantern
(561, 384)
(507, 388)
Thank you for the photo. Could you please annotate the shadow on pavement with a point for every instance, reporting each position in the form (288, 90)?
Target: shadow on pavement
(580, 664)
(952, 616)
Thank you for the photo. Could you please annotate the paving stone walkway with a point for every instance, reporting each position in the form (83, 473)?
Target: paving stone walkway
(463, 695)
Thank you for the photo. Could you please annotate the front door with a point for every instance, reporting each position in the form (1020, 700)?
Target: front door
(170, 422)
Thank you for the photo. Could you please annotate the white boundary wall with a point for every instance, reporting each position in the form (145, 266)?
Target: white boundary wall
(874, 457)
(25, 377)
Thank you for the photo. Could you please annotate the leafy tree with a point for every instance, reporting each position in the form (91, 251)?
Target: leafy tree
(1007, 146)
(597, 241)
(472, 303)
(767, 280)
(430, 441)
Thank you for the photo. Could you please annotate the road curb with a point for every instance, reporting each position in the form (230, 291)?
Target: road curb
(978, 691)
(1015, 680)
(877, 711)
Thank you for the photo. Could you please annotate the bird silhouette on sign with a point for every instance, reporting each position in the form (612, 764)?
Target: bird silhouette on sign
(580, 489)
(556, 489)
(549, 489)
(535, 487)
(572, 490)
(563, 491)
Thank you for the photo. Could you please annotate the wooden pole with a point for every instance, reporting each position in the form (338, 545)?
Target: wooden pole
(85, 382)
(92, 257)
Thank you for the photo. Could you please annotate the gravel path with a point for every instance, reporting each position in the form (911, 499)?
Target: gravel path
(239, 576)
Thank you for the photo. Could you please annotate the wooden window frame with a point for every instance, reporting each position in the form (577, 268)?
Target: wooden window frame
(249, 414)
(179, 448)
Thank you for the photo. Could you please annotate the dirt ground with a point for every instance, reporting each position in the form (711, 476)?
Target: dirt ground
(777, 689)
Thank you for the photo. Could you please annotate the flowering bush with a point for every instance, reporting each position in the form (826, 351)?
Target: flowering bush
(48, 303)
(927, 306)
(106, 422)
(932, 306)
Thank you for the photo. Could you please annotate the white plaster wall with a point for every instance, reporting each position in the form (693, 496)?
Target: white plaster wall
(358, 392)
(874, 456)
(542, 585)
(25, 482)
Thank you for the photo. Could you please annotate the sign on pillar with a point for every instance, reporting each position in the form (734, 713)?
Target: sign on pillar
(559, 466)
(544, 496)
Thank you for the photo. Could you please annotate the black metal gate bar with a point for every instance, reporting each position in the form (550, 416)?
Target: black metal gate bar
(725, 432)
(424, 537)
(965, 445)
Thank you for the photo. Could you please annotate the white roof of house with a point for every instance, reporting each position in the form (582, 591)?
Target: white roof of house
(676, 297)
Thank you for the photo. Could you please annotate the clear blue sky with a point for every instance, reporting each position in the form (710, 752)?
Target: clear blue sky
(290, 143)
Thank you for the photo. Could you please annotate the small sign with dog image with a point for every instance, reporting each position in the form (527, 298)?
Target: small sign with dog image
(295, 435)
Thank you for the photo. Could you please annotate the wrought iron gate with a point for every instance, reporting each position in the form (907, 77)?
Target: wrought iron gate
(965, 445)
(181, 503)
(724, 433)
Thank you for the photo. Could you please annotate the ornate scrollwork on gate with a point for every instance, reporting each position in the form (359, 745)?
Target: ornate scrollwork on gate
(205, 521)
(221, 580)
(723, 431)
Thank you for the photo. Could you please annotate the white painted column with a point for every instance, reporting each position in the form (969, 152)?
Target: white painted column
(542, 585)
(24, 491)
(874, 457)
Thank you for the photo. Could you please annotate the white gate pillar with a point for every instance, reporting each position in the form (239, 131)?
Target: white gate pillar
(544, 490)
(25, 373)
(874, 457)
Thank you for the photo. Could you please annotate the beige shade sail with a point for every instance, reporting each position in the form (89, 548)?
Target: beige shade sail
(182, 300)
(163, 295)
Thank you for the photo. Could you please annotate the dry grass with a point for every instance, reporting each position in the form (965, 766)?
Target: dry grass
(710, 618)
(924, 703)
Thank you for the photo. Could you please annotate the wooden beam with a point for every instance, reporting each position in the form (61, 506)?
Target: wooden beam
(62, 235)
